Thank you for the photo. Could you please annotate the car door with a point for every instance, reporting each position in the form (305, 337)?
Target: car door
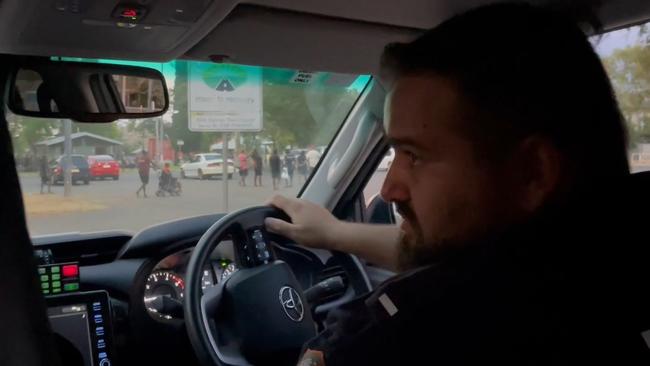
(193, 167)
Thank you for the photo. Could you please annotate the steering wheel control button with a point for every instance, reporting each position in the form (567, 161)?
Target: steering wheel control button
(261, 253)
(292, 303)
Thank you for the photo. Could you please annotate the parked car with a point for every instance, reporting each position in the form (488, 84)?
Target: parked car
(203, 166)
(79, 169)
(103, 166)
(128, 161)
(387, 160)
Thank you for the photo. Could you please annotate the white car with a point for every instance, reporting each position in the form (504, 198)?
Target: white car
(206, 165)
(387, 160)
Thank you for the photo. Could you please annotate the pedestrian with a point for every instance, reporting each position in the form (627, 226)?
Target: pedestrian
(243, 168)
(257, 166)
(276, 168)
(289, 164)
(302, 165)
(143, 163)
(313, 156)
(46, 176)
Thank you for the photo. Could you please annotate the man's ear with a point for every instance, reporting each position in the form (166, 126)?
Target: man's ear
(541, 167)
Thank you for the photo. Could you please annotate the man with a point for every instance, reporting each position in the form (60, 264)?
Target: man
(302, 166)
(290, 165)
(313, 156)
(143, 163)
(45, 174)
(276, 168)
(243, 167)
(509, 157)
(257, 167)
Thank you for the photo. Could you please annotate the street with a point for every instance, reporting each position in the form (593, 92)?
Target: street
(113, 205)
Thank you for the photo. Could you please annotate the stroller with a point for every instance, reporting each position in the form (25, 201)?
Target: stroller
(167, 184)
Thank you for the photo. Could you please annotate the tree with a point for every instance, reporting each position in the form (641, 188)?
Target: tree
(179, 129)
(629, 71)
(27, 131)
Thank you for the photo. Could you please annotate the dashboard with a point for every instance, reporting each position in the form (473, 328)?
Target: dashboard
(142, 277)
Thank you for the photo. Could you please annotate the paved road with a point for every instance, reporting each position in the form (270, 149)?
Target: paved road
(126, 212)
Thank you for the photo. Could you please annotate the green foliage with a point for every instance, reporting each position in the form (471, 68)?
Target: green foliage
(26, 131)
(179, 129)
(629, 71)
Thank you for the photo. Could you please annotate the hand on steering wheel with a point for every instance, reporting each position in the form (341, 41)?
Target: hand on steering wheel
(259, 314)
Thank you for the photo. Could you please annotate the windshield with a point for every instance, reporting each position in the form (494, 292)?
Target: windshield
(273, 124)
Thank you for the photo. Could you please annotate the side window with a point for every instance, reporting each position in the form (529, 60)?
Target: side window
(379, 211)
(625, 54)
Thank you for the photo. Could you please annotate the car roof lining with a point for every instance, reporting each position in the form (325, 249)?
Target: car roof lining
(337, 35)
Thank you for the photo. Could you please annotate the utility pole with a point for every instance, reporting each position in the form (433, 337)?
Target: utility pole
(67, 158)
(224, 171)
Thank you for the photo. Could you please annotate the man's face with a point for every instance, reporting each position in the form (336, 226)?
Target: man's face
(446, 196)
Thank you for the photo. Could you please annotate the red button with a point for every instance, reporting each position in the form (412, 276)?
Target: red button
(71, 270)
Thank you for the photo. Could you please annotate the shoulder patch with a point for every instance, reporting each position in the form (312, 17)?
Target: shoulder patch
(312, 358)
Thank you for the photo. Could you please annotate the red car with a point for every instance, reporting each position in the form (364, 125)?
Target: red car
(102, 166)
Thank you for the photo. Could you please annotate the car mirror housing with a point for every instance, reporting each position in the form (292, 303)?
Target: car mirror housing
(84, 91)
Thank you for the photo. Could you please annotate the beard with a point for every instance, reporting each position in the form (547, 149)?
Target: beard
(414, 250)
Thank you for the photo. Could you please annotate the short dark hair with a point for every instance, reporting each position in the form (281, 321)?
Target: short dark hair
(525, 70)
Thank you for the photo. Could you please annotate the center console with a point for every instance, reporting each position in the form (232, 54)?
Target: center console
(81, 321)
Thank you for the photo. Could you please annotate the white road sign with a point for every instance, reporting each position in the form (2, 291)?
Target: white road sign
(224, 97)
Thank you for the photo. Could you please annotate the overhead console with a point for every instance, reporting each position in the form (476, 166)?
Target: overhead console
(117, 29)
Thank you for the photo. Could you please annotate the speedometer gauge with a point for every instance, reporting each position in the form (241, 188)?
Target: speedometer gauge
(163, 294)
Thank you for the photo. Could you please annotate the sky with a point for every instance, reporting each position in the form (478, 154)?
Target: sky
(608, 43)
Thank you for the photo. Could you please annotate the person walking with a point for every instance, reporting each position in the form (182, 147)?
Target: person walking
(46, 176)
(143, 163)
(243, 168)
(289, 164)
(257, 166)
(313, 157)
(276, 168)
(302, 165)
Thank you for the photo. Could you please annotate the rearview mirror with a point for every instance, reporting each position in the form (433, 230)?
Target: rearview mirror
(86, 92)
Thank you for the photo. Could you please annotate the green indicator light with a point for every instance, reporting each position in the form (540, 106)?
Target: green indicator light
(71, 286)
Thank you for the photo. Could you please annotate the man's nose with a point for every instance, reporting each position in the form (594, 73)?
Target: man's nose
(395, 187)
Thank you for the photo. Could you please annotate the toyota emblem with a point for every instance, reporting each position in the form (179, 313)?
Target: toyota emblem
(291, 303)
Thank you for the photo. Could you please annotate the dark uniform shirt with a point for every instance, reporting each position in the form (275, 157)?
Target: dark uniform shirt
(547, 293)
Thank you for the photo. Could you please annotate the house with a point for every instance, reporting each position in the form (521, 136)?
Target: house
(84, 143)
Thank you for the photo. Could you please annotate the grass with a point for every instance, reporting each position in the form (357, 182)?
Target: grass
(51, 204)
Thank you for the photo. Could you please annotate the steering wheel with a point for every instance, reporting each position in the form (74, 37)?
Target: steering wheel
(259, 314)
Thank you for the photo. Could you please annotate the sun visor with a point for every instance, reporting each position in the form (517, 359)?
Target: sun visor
(279, 38)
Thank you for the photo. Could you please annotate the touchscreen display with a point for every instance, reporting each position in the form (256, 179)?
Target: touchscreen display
(71, 323)
(82, 326)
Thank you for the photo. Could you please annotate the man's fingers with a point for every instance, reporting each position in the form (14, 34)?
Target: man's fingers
(283, 203)
(278, 226)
